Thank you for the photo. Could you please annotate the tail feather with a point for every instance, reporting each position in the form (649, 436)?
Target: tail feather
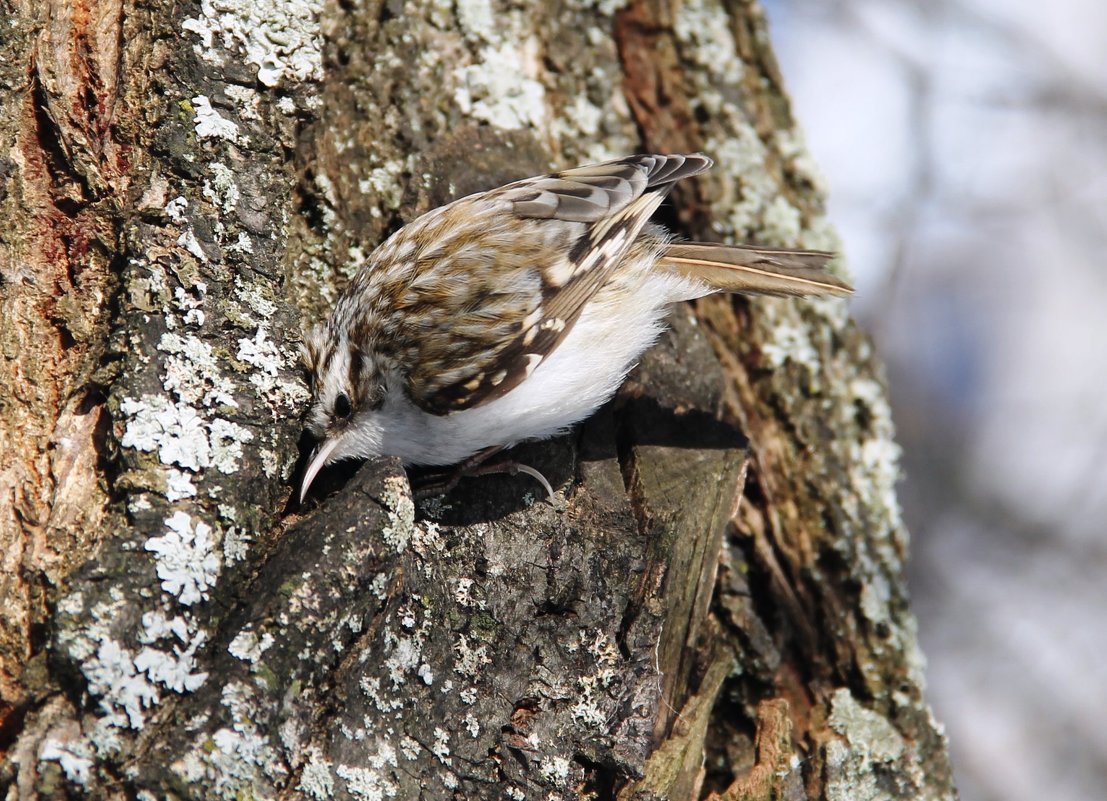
(753, 270)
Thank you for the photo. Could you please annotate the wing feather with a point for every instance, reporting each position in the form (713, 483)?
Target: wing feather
(573, 227)
(761, 271)
(609, 187)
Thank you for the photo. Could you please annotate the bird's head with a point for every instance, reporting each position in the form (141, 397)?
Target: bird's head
(348, 389)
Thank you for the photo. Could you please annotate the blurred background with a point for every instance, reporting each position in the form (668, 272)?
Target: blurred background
(964, 144)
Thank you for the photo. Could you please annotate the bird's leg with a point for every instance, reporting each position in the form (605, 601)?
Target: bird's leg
(441, 483)
(476, 465)
(512, 468)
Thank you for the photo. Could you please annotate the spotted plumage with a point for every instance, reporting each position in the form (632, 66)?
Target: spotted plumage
(513, 313)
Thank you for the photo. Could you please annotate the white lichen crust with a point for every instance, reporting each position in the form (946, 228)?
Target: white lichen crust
(281, 40)
(203, 433)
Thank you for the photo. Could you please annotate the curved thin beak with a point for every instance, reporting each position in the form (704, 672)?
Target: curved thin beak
(318, 460)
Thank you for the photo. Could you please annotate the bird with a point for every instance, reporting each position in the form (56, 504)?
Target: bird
(512, 314)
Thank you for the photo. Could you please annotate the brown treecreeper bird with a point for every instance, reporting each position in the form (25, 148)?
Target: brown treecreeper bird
(512, 314)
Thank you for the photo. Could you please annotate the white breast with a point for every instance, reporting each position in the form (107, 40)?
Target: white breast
(579, 376)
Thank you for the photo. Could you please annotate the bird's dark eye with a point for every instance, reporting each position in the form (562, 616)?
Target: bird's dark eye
(342, 406)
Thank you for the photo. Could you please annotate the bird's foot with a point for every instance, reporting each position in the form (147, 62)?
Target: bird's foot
(477, 465)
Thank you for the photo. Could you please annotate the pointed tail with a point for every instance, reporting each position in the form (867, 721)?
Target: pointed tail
(758, 271)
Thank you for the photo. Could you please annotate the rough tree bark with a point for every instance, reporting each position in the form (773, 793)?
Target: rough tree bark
(716, 603)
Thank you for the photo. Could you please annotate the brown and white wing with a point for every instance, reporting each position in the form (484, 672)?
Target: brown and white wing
(567, 231)
(595, 192)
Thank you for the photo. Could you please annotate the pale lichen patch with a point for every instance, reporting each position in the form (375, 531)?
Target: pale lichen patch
(178, 485)
(149, 286)
(605, 7)
(291, 734)
(404, 657)
(227, 760)
(469, 660)
(872, 735)
(740, 153)
(582, 116)
(426, 674)
(788, 338)
(210, 124)
(500, 88)
(175, 210)
(248, 646)
(602, 648)
(363, 783)
(704, 32)
(385, 181)
(221, 188)
(781, 223)
(247, 100)
(462, 595)
(185, 558)
(174, 670)
(227, 439)
(269, 363)
(73, 754)
(875, 460)
(277, 465)
(189, 303)
(281, 39)
(440, 747)
(479, 21)
(857, 764)
(586, 711)
(792, 146)
(555, 770)
(122, 690)
(189, 242)
(400, 507)
(471, 725)
(427, 543)
(251, 294)
(876, 596)
(370, 686)
(233, 760)
(409, 747)
(317, 779)
(175, 431)
(589, 709)
(192, 372)
(242, 244)
(156, 626)
(236, 544)
(174, 664)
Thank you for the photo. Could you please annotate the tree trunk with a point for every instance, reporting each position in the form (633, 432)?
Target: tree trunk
(715, 605)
